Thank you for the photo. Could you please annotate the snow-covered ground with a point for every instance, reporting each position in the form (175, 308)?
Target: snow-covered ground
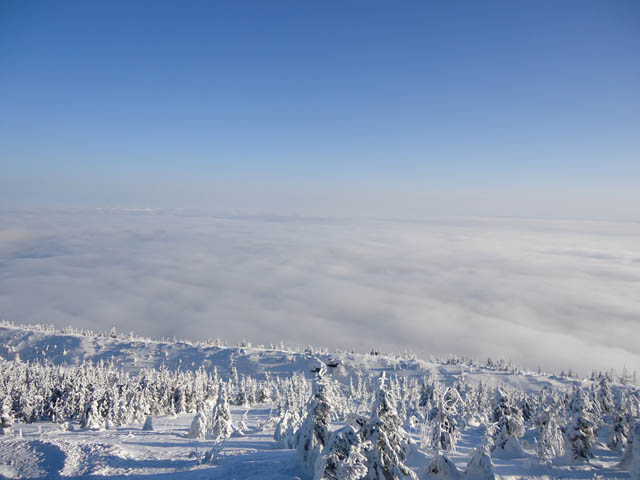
(49, 450)
(43, 450)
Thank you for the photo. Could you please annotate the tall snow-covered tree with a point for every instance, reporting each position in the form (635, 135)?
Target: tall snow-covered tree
(509, 426)
(286, 428)
(6, 419)
(635, 458)
(313, 433)
(605, 396)
(342, 457)
(220, 425)
(444, 432)
(550, 440)
(581, 431)
(92, 419)
(389, 443)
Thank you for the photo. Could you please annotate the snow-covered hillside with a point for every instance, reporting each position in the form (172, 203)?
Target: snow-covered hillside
(131, 355)
(78, 404)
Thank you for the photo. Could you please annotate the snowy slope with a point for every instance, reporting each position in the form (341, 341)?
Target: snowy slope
(132, 355)
(43, 450)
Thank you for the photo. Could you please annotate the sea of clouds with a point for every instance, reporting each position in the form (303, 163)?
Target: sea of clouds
(551, 293)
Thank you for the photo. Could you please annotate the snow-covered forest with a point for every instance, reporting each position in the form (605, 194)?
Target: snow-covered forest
(79, 403)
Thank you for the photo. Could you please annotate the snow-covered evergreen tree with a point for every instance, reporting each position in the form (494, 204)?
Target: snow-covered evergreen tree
(581, 431)
(286, 428)
(605, 396)
(550, 440)
(441, 468)
(389, 443)
(198, 429)
(479, 466)
(342, 457)
(509, 427)
(220, 425)
(635, 457)
(242, 424)
(6, 419)
(620, 431)
(444, 432)
(92, 419)
(313, 433)
(148, 423)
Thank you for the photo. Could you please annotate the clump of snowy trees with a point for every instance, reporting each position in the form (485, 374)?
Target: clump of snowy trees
(352, 426)
(99, 396)
(364, 428)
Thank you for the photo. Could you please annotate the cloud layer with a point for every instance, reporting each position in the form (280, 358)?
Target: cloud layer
(559, 294)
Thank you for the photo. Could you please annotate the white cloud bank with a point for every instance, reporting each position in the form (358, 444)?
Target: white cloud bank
(557, 294)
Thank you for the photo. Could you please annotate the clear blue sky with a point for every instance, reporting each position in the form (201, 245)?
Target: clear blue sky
(505, 108)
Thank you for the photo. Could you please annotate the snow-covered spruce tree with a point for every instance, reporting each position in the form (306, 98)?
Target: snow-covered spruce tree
(342, 457)
(252, 391)
(620, 431)
(286, 428)
(6, 419)
(444, 432)
(198, 429)
(179, 400)
(627, 454)
(621, 422)
(479, 466)
(313, 433)
(241, 399)
(550, 440)
(389, 443)
(92, 419)
(509, 427)
(635, 457)
(525, 404)
(220, 425)
(148, 424)
(441, 468)
(263, 394)
(242, 424)
(430, 395)
(581, 431)
(233, 371)
(605, 396)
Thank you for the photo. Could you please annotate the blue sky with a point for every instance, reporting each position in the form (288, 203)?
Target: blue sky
(410, 108)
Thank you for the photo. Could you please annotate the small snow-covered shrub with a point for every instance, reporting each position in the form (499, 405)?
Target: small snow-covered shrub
(198, 429)
(148, 424)
(441, 468)
(479, 466)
